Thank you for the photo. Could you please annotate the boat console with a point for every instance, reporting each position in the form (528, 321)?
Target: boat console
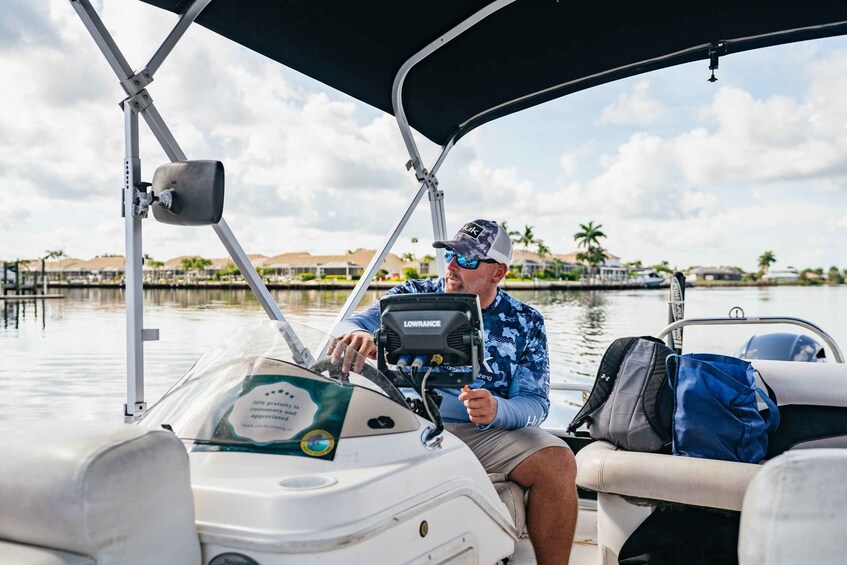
(292, 465)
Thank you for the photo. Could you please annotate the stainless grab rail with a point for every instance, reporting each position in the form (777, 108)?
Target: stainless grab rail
(836, 351)
(578, 387)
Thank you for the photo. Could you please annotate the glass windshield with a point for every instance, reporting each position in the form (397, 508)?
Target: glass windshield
(250, 393)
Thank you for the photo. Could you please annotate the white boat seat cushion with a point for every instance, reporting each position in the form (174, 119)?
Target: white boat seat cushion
(602, 467)
(514, 497)
(111, 492)
(16, 554)
(795, 510)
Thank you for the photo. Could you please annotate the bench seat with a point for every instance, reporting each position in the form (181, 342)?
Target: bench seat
(602, 467)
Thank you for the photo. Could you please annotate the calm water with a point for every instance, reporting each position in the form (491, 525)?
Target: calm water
(65, 358)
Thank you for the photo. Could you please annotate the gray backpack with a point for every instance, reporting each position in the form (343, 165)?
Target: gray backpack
(631, 403)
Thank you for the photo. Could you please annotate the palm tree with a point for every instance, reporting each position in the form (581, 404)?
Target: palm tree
(766, 259)
(663, 267)
(194, 264)
(589, 235)
(409, 257)
(512, 233)
(593, 256)
(541, 249)
(527, 238)
(556, 265)
(152, 263)
(56, 254)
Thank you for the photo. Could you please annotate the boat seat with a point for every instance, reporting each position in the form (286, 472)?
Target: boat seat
(15, 553)
(602, 467)
(795, 510)
(88, 492)
(514, 497)
(630, 485)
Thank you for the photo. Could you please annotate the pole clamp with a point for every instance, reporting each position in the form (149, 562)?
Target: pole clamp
(138, 102)
(136, 83)
(142, 199)
(140, 408)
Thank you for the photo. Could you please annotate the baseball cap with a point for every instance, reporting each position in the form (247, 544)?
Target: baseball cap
(480, 239)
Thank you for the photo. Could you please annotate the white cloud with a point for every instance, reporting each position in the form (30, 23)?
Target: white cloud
(637, 107)
(308, 168)
(304, 160)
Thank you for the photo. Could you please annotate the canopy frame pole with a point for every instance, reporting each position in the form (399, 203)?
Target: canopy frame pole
(174, 152)
(134, 286)
(379, 257)
(140, 102)
(436, 196)
(186, 18)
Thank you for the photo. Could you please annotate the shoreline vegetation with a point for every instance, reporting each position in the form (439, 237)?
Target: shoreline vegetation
(510, 284)
(532, 266)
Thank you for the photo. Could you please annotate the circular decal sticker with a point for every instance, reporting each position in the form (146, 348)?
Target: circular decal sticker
(317, 443)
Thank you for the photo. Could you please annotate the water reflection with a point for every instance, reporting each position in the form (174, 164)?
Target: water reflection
(69, 355)
(16, 312)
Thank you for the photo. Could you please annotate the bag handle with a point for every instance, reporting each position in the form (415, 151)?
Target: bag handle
(670, 373)
(772, 419)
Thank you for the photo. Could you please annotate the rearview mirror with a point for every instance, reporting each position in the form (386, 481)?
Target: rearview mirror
(189, 193)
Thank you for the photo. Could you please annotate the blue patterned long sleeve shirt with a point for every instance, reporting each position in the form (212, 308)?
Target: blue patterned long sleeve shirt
(516, 368)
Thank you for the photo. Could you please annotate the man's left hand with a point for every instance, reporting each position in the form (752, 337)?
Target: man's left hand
(481, 405)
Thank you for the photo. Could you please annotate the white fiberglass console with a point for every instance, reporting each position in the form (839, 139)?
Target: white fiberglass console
(289, 465)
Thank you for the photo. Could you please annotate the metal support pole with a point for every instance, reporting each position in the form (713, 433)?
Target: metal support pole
(139, 101)
(436, 196)
(254, 281)
(101, 37)
(186, 18)
(132, 273)
(379, 257)
(299, 351)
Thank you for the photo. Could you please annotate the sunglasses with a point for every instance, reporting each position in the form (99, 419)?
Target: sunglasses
(463, 261)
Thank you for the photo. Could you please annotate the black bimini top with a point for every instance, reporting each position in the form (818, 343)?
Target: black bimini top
(525, 53)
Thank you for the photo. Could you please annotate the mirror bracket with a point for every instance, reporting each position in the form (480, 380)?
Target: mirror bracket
(188, 193)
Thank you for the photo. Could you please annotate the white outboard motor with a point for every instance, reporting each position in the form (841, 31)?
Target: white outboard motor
(783, 347)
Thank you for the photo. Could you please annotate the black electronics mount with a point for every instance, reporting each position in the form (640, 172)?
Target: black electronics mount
(428, 341)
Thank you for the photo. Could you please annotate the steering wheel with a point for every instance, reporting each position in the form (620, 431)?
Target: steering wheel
(369, 372)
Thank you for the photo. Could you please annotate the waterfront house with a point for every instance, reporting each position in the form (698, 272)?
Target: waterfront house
(782, 276)
(531, 263)
(714, 274)
(610, 268)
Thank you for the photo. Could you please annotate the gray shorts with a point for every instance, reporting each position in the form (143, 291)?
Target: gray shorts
(500, 451)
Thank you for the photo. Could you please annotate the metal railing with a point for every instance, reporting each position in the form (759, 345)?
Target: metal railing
(830, 342)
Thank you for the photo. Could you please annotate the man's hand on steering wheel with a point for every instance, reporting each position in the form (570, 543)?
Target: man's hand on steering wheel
(359, 342)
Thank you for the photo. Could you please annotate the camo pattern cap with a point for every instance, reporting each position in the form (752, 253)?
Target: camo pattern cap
(481, 239)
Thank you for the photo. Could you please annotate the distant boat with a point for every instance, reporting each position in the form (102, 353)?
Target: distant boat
(650, 277)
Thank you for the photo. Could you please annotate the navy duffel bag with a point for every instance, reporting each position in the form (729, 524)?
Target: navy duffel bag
(716, 414)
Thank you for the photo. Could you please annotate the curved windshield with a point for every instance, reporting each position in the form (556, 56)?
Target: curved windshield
(254, 391)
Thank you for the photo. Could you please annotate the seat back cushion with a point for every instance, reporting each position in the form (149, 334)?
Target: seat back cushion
(514, 497)
(115, 492)
(795, 510)
(17, 554)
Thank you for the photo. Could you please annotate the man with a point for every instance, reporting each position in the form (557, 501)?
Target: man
(499, 417)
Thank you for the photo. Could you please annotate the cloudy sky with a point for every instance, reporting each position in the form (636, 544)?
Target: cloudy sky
(673, 167)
